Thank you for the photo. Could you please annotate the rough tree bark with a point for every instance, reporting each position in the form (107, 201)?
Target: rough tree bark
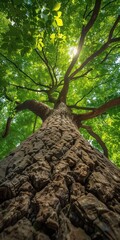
(59, 187)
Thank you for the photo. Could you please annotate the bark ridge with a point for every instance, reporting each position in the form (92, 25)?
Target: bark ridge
(58, 187)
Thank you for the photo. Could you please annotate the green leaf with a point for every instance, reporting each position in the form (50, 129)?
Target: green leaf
(59, 21)
(57, 7)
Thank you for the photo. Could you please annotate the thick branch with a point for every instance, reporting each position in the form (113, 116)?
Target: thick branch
(38, 108)
(98, 139)
(98, 111)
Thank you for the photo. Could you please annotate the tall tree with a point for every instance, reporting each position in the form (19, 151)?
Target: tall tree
(64, 54)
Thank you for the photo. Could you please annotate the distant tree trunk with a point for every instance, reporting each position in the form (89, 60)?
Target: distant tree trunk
(59, 187)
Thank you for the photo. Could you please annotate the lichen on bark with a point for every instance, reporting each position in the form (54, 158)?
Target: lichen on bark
(57, 186)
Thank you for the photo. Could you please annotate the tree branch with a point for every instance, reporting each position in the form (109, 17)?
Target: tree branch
(100, 50)
(34, 124)
(108, 4)
(98, 111)
(26, 88)
(7, 128)
(84, 15)
(6, 96)
(85, 95)
(98, 139)
(83, 75)
(113, 28)
(82, 108)
(85, 30)
(19, 69)
(107, 54)
(45, 61)
(40, 109)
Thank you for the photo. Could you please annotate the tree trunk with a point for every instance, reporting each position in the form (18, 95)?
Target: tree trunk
(59, 187)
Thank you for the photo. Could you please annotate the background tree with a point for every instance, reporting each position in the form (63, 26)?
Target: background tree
(56, 185)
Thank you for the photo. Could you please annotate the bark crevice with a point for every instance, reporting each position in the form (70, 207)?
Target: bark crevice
(59, 187)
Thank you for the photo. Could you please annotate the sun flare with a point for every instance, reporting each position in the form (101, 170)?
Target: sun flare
(72, 51)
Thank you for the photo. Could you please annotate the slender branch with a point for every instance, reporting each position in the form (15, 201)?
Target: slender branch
(117, 39)
(85, 95)
(95, 54)
(98, 111)
(48, 92)
(34, 124)
(108, 4)
(6, 96)
(54, 74)
(98, 139)
(107, 54)
(85, 30)
(36, 50)
(26, 88)
(85, 11)
(45, 61)
(64, 91)
(90, 58)
(19, 69)
(113, 28)
(7, 128)
(48, 66)
(83, 75)
(100, 50)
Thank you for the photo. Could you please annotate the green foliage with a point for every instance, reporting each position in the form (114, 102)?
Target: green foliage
(33, 30)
